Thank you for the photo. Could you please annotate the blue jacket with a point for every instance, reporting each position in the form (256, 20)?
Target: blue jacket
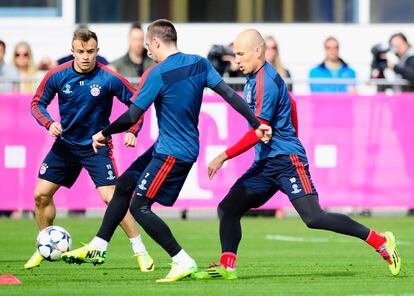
(321, 71)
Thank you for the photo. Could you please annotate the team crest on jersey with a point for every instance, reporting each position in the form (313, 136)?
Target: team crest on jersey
(249, 94)
(249, 97)
(43, 169)
(67, 89)
(95, 90)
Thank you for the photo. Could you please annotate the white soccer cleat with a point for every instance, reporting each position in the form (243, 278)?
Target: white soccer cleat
(34, 261)
(145, 262)
(179, 271)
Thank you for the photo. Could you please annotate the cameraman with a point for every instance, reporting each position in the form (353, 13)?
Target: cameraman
(223, 60)
(404, 67)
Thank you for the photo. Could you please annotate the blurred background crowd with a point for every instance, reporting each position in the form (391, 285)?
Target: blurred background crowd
(391, 57)
(395, 59)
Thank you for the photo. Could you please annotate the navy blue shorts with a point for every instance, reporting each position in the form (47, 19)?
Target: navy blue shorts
(158, 177)
(286, 173)
(64, 163)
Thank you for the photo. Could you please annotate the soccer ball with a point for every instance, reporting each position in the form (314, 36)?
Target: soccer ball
(52, 242)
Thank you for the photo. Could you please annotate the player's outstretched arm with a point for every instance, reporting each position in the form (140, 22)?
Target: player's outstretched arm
(216, 164)
(125, 121)
(251, 138)
(237, 103)
(264, 132)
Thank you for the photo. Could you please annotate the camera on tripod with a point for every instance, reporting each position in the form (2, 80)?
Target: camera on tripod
(215, 56)
(379, 60)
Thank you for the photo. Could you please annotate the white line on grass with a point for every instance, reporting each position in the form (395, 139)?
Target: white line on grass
(410, 294)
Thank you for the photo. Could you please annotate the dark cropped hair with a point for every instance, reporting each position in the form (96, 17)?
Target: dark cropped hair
(136, 25)
(84, 35)
(164, 30)
(2, 43)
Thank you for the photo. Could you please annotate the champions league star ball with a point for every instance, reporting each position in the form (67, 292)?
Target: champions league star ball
(52, 242)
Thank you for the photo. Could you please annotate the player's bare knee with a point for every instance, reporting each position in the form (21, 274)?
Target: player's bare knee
(42, 199)
(106, 198)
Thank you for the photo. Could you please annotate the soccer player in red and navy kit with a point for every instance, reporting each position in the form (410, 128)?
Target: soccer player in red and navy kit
(85, 90)
(175, 86)
(280, 164)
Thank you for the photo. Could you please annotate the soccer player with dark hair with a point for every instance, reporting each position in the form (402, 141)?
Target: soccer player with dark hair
(175, 86)
(279, 165)
(85, 90)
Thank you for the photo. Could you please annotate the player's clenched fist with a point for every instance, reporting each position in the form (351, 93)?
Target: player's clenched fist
(264, 132)
(55, 129)
(130, 140)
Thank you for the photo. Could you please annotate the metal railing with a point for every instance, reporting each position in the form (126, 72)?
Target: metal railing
(8, 85)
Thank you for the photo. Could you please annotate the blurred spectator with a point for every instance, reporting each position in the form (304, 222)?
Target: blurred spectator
(136, 60)
(46, 64)
(69, 57)
(6, 72)
(404, 65)
(24, 62)
(379, 61)
(379, 66)
(272, 57)
(223, 60)
(220, 57)
(332, 67)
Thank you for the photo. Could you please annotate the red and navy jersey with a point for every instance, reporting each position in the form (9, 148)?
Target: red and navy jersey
(85, 100)
(176, 87)
(267, 95)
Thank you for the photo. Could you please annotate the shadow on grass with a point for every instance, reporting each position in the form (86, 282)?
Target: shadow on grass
(12, 261)
(302, 275)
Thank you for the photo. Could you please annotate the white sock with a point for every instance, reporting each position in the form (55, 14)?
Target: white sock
(182, 257)
(99, 243)
(137, 245)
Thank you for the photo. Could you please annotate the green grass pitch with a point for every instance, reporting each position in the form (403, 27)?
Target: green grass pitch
(276, 257)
